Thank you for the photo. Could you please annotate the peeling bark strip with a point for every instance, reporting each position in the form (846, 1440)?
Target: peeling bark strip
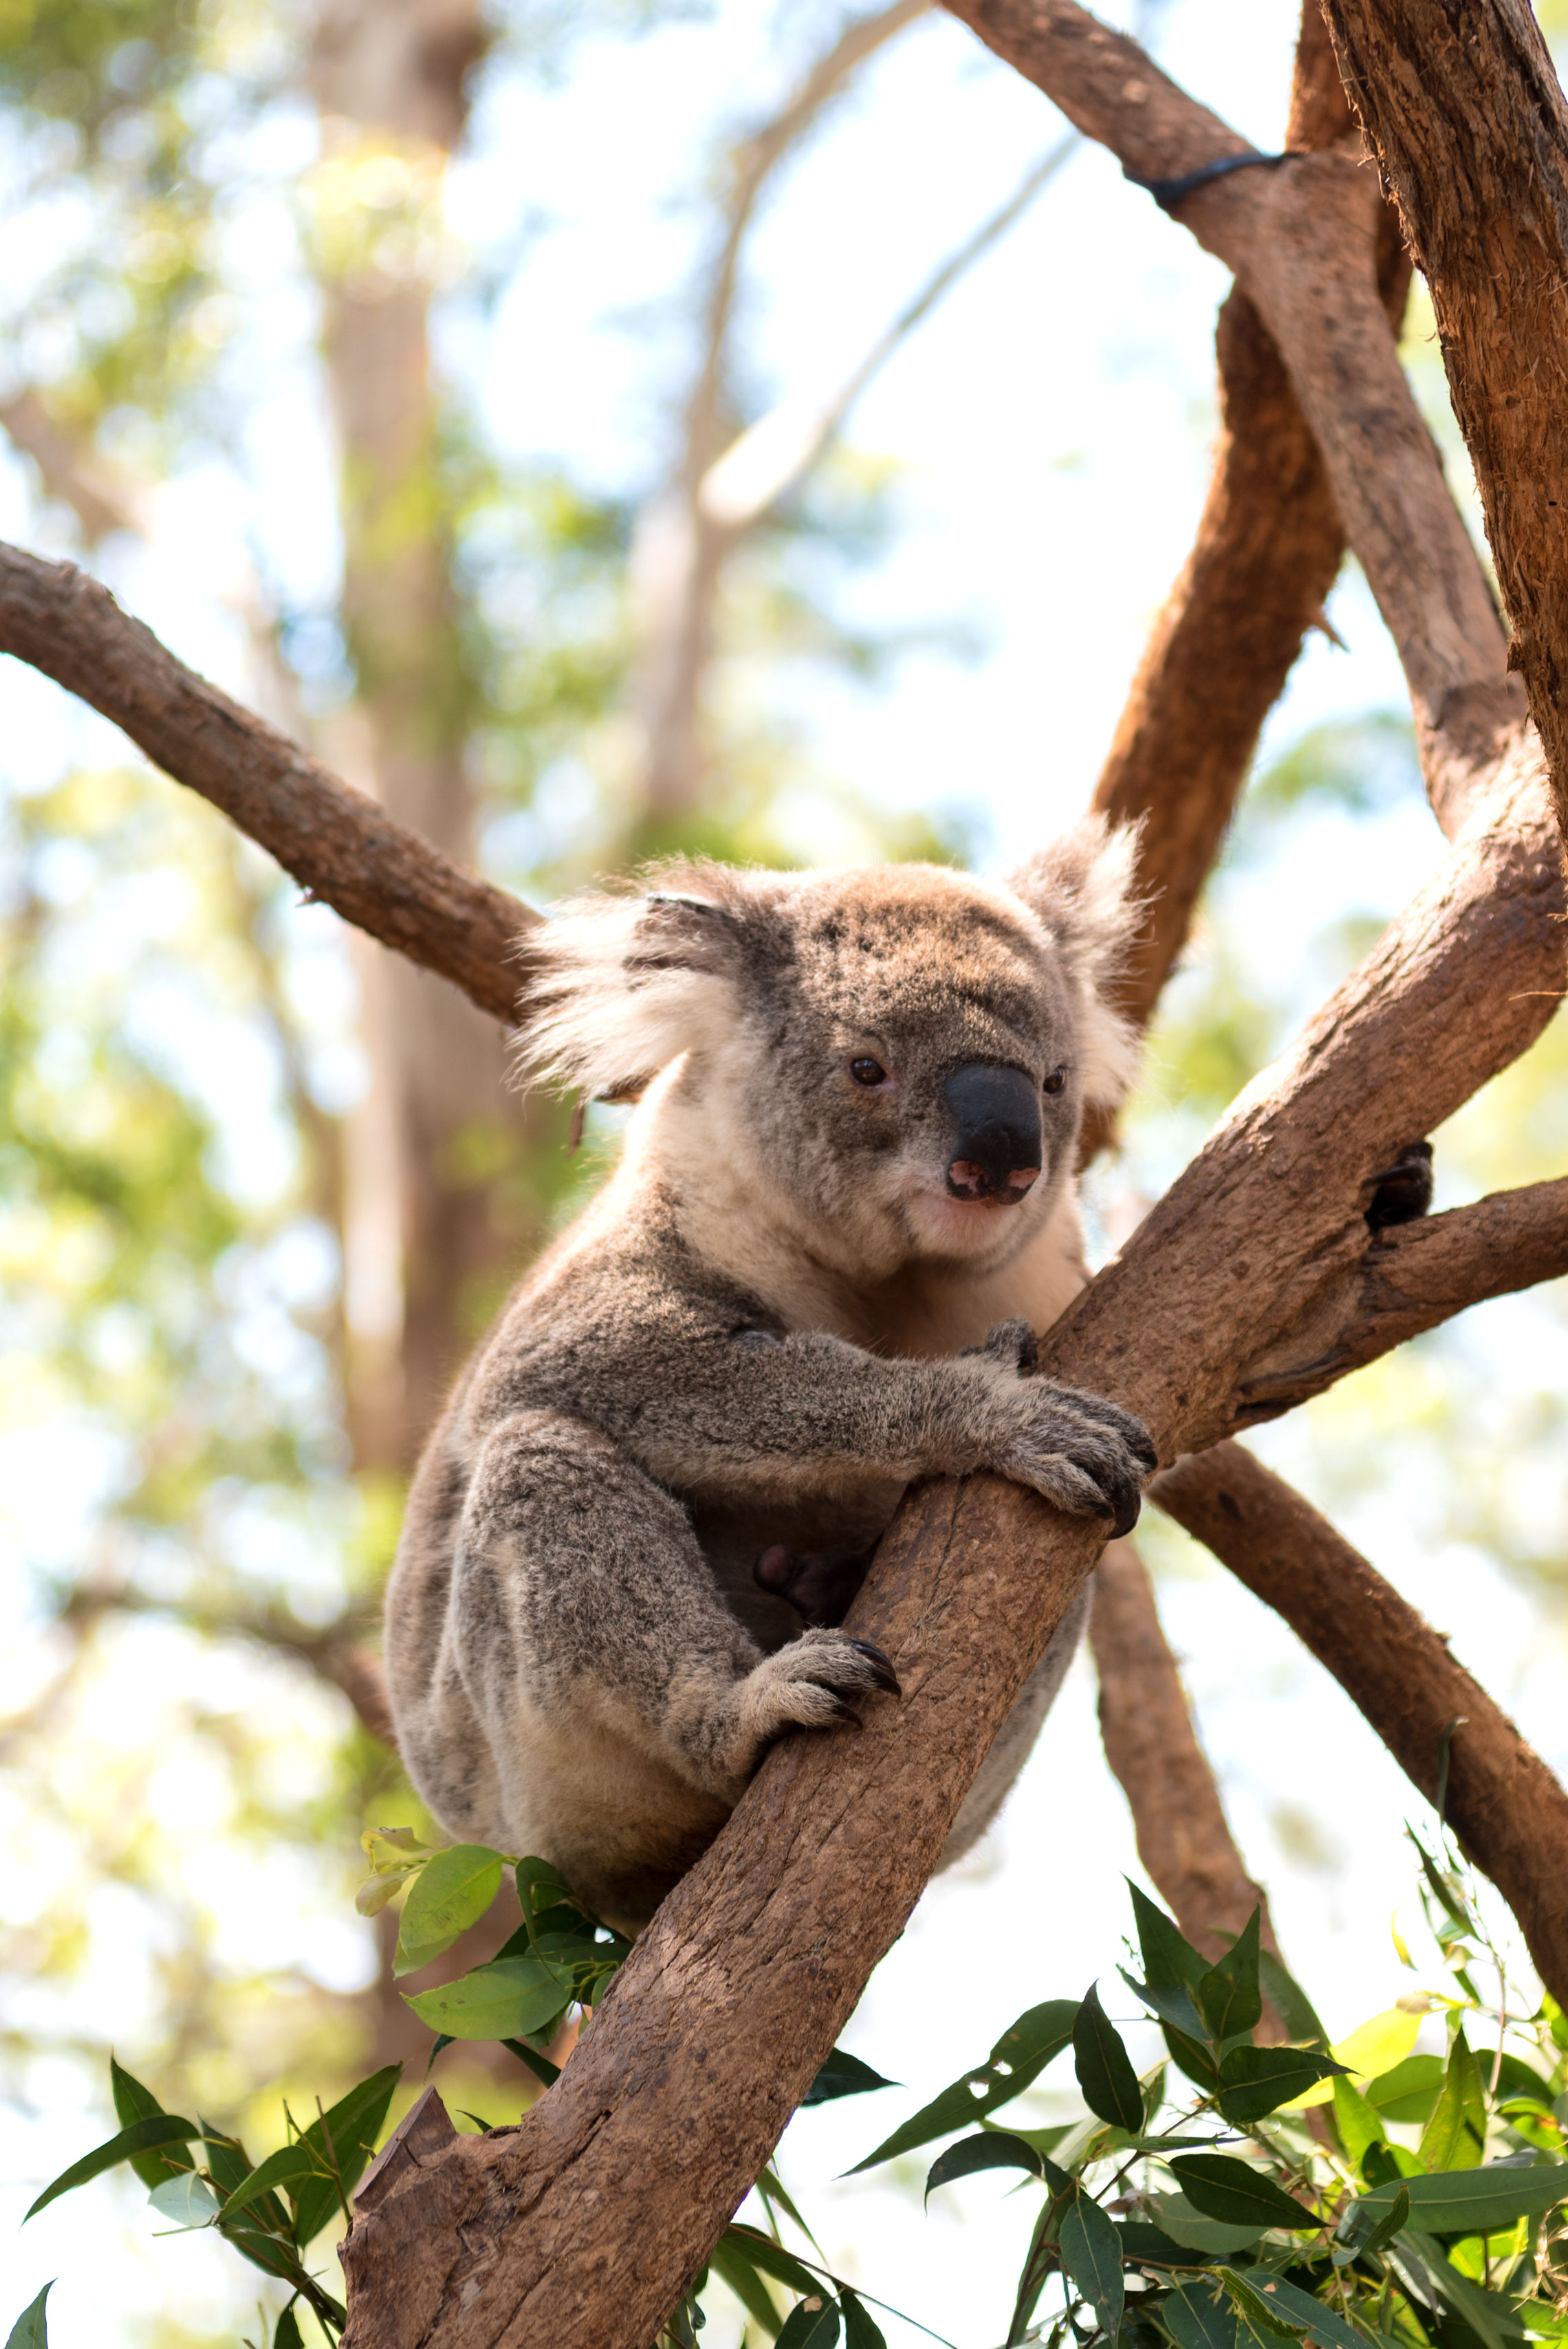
(1470, 128)
(1510, 1811)
(336, 843)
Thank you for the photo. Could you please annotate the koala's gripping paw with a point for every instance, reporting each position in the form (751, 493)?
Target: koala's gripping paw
(1082, 1453)
(807, 1685)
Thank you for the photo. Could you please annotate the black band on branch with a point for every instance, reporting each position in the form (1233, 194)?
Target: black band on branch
(1168, 193)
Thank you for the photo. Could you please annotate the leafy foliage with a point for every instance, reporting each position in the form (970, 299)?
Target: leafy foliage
(1163, 2218)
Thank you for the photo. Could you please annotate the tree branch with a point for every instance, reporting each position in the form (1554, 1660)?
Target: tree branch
(1301, 238)
(1183, 1838)
(1409, 1279)
(337, 843)
(1268, 549)
(1470, 128)
(1510, 1811)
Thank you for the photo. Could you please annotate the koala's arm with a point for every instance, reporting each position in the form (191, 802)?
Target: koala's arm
(764, 1417)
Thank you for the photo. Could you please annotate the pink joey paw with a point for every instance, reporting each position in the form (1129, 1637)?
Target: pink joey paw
(809, 1684)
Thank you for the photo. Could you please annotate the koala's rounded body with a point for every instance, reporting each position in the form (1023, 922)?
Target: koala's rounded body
(845, 1202)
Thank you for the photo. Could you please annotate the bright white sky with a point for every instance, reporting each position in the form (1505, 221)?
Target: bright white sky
(1051, 424)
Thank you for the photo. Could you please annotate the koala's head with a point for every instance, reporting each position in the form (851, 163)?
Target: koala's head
(896, 1059)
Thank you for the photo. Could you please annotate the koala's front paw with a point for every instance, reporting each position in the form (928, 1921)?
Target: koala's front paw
(807, 1685)
(1084, 1454)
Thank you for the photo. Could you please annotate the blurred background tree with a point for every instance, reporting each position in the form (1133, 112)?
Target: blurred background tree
(291, 294)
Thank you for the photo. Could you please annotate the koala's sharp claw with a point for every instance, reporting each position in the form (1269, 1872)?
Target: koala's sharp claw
(882, 1672)
(844, 1712)
(1127, 1516)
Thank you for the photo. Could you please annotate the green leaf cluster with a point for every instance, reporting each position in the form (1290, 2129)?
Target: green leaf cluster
(270, 2211)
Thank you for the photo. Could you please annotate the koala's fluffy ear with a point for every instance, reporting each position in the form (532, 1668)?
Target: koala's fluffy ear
(623, 985)
(1082, 888)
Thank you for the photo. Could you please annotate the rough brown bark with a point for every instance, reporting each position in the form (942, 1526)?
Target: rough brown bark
(1509, 1810)
(1183, 1838)
(1302, 239)
(1470, 128)
(337, 843)
(1411, 1279)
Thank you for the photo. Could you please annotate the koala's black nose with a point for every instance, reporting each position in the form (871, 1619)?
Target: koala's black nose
(995, 1152)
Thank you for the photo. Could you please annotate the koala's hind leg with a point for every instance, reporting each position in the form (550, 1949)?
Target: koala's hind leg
(1016, 1738)
(624, 1705)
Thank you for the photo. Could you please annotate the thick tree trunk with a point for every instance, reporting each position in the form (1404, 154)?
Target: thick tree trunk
(440, 1127)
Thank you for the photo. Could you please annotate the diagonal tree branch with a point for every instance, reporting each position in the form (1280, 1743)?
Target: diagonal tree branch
(1510, 1811)
(1183, 1839)
(336, 843)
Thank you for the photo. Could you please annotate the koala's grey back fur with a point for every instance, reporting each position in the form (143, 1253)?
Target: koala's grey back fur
(771, 1321)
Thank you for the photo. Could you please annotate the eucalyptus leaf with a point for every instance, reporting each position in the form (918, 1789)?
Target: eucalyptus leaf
(1256, 2081)
(284, 2167)
(1409, 2090)
(450, 1893)
(1474, 2201)
(186, 2200)
(133, 2102)
(1186, 2224)
(286, 2334)
(1104, 2067)
(1290, 2002)
(504, 2001)
(1091, 2254)
(1198, 2316)
(991, 2149)
(1359, 2123)
(732, 2262)
(142, 2136)
(1321, 2326)
(344, 2136)
(860, 2328)
(843, 2074)
(1168, 1960)
(1455, 2137)
(771, 2257)
(1228, 1998)
(812, 2323)
(1256, 2312)
(31, 2330)
(1236, 2193)
(1015, 2062)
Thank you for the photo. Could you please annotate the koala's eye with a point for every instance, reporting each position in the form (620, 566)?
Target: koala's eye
(1055, 1080)
(868, 1072)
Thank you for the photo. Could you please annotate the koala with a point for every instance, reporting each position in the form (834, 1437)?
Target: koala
(845, 1203)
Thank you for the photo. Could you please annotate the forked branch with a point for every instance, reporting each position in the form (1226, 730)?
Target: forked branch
(1510, 1811)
